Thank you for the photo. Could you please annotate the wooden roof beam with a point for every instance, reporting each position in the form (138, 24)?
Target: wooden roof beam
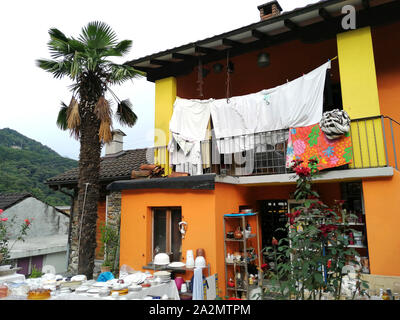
(324, 14)
(291, 25)
(205, 50)
(181, 56)
(260, 35)
(366, 4)
(160, 62)
(231, 43)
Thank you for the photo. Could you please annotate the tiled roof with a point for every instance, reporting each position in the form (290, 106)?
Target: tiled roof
(114, 167)
(9, 199)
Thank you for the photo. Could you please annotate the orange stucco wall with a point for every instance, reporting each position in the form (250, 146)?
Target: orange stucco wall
(288, 61)
(387, 62)
(203, 211)
(382, 203)
(197, 210)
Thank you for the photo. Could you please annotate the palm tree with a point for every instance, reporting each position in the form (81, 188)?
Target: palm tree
(88, 116)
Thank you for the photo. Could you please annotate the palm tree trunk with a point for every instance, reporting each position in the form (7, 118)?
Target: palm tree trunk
(88, 186)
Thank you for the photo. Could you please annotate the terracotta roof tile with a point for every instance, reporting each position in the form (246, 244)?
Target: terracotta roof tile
(9, 199)
(114, 167)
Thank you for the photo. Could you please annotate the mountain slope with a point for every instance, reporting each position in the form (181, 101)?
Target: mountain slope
(25, 164)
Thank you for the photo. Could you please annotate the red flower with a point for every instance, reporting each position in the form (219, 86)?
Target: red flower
(303, 171)
(325, 229)
(3, 219)
(27, 222)
(297, 162)
(1, 211)
(293, 215)
(274, 241)
(329, 264)
(264, 266)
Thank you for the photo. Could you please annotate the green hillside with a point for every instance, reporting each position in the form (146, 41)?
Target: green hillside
(25, 164)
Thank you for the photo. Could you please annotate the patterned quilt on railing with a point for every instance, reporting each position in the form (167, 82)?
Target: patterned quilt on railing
(311, 143)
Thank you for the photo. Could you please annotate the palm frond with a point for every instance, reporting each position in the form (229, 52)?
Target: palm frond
(73, 117)
(57, 34)
(62, 47)
(120, 73)
(103, 110)
(119, 50)
(125, 114)
(105, 134)
(62, 117)
(57, 68)
(98, 35)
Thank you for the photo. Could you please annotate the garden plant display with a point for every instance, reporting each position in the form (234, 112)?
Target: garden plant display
(308, 262)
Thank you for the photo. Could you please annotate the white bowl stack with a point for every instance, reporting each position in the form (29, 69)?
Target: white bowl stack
(165, 276)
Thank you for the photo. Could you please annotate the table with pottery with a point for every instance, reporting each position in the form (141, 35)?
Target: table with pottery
(135, 286)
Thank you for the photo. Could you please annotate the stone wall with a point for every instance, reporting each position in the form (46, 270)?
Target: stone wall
(113, 217)
(74, 236)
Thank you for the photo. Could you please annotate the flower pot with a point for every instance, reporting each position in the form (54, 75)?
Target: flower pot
(105, 269)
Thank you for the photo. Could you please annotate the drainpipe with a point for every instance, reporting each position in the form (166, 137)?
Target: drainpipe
(71, 215)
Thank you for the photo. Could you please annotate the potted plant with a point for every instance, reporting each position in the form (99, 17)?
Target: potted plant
(109, 246)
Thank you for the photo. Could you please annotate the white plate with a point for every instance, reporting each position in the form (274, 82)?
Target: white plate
(100, 284)
(176, 264)
(93, 290)
(162, 273)
(82, 289)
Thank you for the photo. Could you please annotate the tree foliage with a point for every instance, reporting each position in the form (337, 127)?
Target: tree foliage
(27, 169)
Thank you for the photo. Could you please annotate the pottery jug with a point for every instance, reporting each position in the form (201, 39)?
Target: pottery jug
(189, 259)
(200, 252)
(178, 282)
(238, 233)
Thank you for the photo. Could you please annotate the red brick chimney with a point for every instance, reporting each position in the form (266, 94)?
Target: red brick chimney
(269, 10)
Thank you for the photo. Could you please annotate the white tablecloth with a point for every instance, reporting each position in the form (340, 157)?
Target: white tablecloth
(168, 288)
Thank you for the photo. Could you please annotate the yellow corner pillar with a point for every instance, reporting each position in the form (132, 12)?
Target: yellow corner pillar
(165, 95)
(360, 96)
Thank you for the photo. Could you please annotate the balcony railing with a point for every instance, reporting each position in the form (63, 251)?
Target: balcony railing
(375, 141)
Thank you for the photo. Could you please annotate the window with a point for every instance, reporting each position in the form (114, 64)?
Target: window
(166, 236)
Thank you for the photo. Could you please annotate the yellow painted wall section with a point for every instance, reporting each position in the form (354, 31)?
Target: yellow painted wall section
(360, 96)
(165, 90)
(164, 101)
(368, 144)
(357, 73)
(382, 203)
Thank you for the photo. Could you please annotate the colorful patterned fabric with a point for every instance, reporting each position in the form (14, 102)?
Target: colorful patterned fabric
(311, 143)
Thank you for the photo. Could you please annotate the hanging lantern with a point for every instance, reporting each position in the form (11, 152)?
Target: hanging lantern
(263, 60)
(218, 67)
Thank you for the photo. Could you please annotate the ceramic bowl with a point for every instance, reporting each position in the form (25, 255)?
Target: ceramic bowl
(161, 259)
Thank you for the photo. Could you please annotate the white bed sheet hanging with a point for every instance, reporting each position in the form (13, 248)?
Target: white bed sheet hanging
(238, 121)
(190, 118)
(297, 103)
(188, 126)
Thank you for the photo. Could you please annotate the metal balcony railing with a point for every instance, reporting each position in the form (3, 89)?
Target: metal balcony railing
(375, 141)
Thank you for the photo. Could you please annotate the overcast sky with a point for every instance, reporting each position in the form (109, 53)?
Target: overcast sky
(30, 97)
